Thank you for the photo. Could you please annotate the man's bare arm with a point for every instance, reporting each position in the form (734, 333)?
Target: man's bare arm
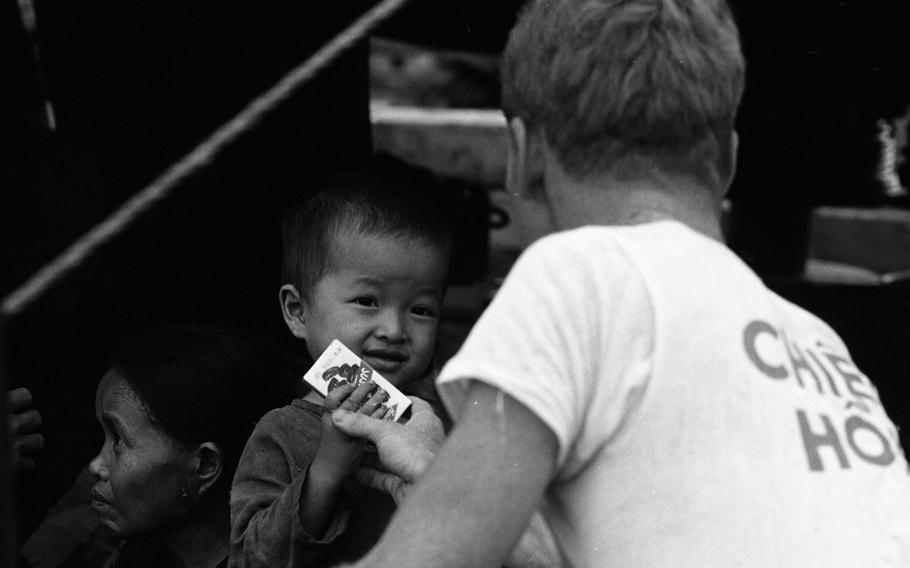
(473, 503)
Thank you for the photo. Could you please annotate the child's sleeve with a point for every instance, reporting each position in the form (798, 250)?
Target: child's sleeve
(425, 389)
(266, 530)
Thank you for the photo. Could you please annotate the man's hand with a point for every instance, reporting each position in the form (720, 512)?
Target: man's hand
(405, 450)
(472, 504)
(24, 423)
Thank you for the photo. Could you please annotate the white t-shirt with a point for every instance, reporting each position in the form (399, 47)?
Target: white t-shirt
(702, 420)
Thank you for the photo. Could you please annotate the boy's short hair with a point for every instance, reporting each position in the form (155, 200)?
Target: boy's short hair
(390, 199)
(610, 82)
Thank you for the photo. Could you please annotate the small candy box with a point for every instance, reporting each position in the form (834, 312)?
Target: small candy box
(339, 364)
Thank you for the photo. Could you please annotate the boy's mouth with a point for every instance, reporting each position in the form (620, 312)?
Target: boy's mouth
(384, 360)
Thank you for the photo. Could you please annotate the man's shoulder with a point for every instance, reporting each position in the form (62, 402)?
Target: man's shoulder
(801, 322)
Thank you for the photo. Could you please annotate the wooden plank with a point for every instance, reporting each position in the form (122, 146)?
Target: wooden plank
(469, 144)
(876, 239)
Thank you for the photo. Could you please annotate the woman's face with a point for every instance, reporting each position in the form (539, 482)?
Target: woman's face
(140, 472)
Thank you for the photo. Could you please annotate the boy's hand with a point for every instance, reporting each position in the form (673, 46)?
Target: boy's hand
(338, 453)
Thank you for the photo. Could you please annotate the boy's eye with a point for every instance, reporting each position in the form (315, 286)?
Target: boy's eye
(423, 311)
(366, 301)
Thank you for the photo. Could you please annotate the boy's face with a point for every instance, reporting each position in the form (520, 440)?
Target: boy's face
(382, 299)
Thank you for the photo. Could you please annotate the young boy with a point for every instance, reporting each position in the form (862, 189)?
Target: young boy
(365, 262)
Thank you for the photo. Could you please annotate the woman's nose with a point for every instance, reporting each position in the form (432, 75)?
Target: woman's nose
(97, 468)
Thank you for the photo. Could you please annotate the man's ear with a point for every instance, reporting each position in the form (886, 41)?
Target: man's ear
(516, 162)
(292, 308)
(209, 466)
(525, 162)
(731, 161)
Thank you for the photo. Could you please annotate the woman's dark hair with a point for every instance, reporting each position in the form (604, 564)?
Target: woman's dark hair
(200, 383)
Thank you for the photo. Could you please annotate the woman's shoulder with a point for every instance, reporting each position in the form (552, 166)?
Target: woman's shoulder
(141, 552)
(145, 552)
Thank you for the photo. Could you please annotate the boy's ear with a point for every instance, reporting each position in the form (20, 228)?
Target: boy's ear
(209, 466)
(292, 308)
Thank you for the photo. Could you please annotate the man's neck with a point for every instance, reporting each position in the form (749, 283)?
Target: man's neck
(608, 201)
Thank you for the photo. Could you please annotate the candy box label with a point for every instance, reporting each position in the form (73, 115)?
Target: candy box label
(338, 364)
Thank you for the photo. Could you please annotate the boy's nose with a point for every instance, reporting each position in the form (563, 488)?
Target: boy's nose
(97, 468)
(391, 326)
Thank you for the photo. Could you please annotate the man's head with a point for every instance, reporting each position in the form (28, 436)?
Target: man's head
(365, 261)
(626, 87)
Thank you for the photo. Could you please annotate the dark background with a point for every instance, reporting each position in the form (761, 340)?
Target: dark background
(136, 85)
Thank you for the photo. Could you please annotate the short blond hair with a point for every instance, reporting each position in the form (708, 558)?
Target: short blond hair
(614, 81)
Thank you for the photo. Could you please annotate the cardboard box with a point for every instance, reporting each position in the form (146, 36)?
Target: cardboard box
(339, 364)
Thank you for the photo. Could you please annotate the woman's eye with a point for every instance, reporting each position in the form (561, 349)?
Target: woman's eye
(366, 302)
(117, 440)
(112, 436)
